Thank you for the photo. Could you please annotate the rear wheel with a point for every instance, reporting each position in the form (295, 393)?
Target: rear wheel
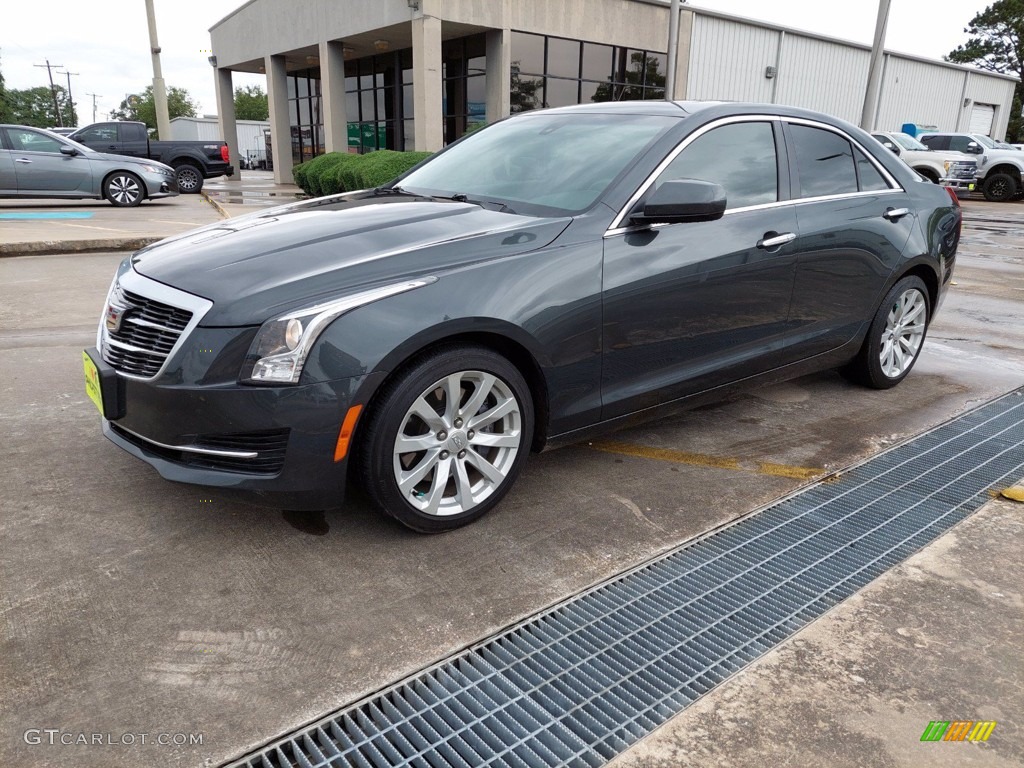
(123, 189)
(895, 338)
(999, 187)
(189, 179)
(447, 439)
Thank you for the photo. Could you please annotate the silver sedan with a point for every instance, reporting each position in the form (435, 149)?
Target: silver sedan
(37, 163)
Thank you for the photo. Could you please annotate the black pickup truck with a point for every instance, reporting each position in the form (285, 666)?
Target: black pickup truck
(192, 161)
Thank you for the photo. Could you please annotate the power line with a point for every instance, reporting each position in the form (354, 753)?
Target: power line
(53, 89)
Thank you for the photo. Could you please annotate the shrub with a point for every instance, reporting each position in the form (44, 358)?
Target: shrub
(342, 172)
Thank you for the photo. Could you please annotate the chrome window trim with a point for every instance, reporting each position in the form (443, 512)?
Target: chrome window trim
(132, 281)
(617, 228)
(192, 449)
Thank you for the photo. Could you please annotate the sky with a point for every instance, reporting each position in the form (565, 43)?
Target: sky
(106, 41)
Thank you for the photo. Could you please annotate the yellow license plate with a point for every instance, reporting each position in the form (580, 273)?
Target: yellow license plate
(92, 382)
(970, 187)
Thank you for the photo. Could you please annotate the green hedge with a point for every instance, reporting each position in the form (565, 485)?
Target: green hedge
(342, 172)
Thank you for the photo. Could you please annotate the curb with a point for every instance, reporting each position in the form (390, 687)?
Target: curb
(220, 208)
(76, 246)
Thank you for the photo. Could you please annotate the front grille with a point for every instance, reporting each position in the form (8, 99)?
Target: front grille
(963, 169)
(148, 331)
(269, 445)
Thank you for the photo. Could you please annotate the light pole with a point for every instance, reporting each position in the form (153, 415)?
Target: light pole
(71, 101)
(94, 97)
(868, 114)
(163, 122)
(673, 50)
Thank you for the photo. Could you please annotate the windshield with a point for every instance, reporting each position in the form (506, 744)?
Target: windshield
(908, 142)
(984, 141)
(541, 164)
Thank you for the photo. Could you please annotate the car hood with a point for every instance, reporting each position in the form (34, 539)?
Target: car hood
(125, 160)
(258, 266)
(943, 155)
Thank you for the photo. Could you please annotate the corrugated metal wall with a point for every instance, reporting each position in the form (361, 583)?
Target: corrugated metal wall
(728, 58)
(250, 132)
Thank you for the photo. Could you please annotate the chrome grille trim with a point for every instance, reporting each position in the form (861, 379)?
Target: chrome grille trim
(192, 448)
(163, 329)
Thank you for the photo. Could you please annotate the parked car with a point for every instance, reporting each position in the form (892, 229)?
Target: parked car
(950, 169)
(40, 164)
(999, 168)
(192, 161)
(551, 276)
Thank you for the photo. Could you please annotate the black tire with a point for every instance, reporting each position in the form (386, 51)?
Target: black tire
(123, 189)
(380, 464)
(189, 178)
(999, 187)
(868, 368)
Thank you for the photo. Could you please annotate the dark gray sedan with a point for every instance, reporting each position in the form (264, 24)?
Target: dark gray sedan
(556, 274)
(39, 164)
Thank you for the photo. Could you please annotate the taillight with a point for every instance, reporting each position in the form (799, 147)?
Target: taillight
(952, 195)
(224, 153)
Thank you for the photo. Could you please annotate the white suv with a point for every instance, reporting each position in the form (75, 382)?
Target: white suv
(999, 169)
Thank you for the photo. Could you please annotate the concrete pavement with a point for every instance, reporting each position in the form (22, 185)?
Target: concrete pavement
(131, 605)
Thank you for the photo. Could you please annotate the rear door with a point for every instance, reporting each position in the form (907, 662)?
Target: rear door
(8, 178)
(133, 139)
(42, 168)
(854, 222)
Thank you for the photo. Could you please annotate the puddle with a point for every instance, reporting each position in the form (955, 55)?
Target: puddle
(313, 523)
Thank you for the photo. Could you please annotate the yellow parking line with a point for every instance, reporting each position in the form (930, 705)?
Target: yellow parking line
(705, 460)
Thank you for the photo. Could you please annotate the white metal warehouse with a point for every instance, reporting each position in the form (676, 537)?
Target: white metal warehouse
(358, 75)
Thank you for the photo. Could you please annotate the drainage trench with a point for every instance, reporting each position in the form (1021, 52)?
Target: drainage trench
(581, 682)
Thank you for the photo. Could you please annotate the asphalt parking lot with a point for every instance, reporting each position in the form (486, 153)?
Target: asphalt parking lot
(132, 605)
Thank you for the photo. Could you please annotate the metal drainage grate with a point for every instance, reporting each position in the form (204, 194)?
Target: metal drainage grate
(579, 683)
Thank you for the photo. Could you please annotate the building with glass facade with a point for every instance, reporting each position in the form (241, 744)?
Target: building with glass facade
(362, 75)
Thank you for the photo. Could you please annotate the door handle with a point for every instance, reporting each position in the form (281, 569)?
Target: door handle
(112, 146)
(22, 160)
(895, 214)
(771, 240)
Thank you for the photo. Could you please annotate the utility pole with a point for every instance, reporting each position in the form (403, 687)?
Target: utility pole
(163, 121)
(94, 97)
(867, 115)
(673, 50)
(71, 101)
(53, 89)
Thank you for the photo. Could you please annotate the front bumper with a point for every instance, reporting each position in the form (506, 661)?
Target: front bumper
(961, 186)
(159, 185)
(274, 443)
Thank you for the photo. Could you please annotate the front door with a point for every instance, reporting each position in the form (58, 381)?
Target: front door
(41, 167)
(691, 306)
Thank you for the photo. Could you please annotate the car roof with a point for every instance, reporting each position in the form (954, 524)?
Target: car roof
(682, 109)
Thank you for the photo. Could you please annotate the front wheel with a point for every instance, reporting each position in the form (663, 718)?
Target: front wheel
(895, 337)
(999, 187)
(123, 189)
(188, 178)
(447, 439)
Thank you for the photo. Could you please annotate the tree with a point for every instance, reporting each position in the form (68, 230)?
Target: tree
(142, 106)
(996, 37)
(524, 94)
(4, 109)
(251, 103)
(34, 106)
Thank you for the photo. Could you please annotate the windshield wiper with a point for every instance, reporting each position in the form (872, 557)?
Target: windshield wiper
(459, 197)
(388, 191)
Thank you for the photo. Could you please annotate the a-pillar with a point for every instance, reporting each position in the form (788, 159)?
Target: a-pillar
(280, 125)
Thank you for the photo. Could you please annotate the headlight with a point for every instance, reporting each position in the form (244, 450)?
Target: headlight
(280, 348)
(151, 168)
(946, 165)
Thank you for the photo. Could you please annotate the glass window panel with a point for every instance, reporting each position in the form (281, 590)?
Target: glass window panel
(352, 107)
(351, 83)
(561, 93)
(291, 87)
(597, 62)
(528, 53)
(365, 82)
(385, 103)
(656, 70)
(824, 162)
(407, 102)
(740, 157)
(366, 101)
(477, 66)
(595, 92)
(302, 83)
(870, 179)
(316, 112)
(293, 112)
(524, 92)
(563, 57)
(476, 89)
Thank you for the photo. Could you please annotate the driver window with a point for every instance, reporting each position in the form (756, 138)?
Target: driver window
(739, 156)
(99, 133)
(30, 141)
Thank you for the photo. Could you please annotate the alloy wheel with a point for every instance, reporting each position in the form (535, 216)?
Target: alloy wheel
(457, 443)
(124, 190)
(903, 333)
(188, 178)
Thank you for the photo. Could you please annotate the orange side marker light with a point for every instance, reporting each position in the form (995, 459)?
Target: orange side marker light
(348, 426)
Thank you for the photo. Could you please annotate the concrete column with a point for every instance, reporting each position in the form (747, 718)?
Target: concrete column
(332, 89)
(226, 118)
(499, 67)
(683, 66)
(280, 128)
(427, 85)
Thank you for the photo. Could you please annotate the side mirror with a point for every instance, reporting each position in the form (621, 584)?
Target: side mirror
(66, 150)
(974, 148)
(891, 147)
(683, 200)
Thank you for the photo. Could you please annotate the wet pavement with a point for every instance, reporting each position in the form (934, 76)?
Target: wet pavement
(249, 190)
(133, 605)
